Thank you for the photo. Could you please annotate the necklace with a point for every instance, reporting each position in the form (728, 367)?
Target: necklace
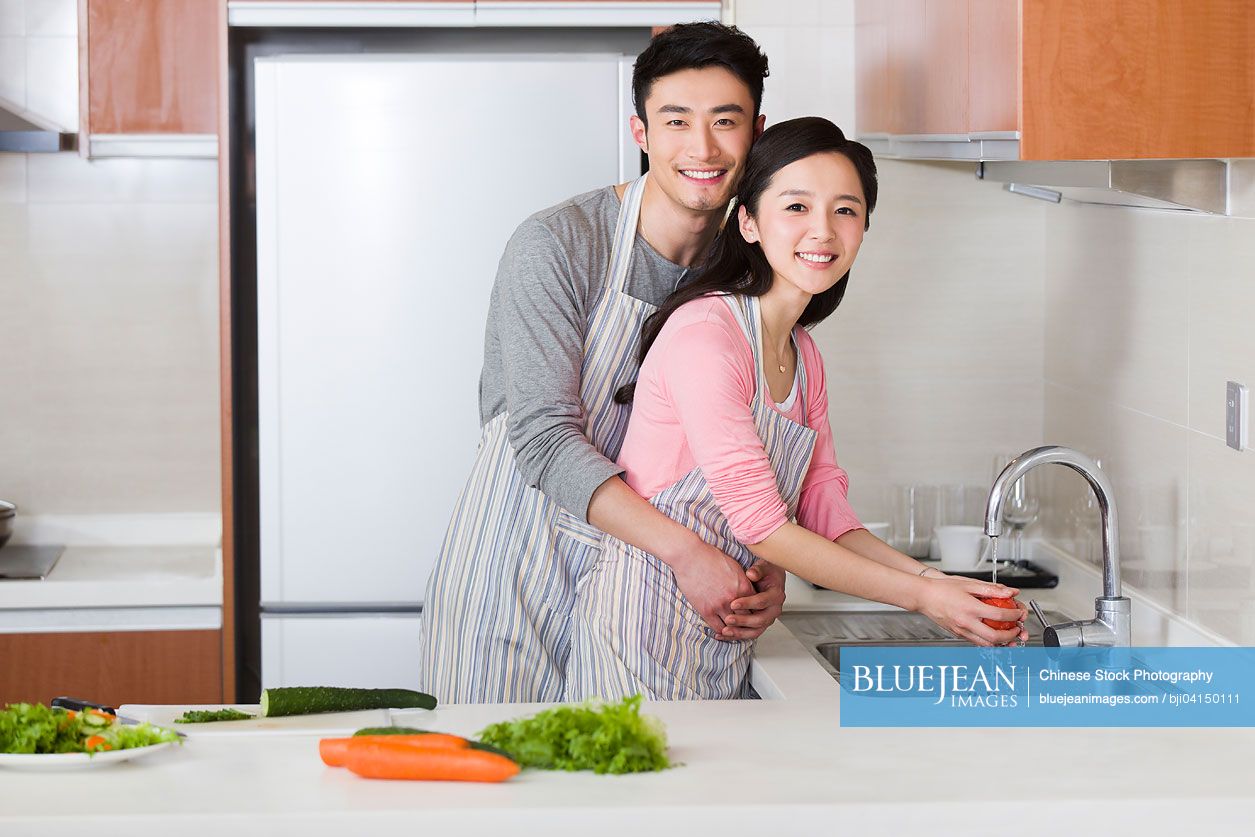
(779, 360)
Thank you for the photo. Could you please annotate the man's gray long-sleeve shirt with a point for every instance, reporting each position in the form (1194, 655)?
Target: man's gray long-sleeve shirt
(549, 280)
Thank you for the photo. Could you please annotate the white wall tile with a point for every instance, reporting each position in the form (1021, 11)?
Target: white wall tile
(1148, 314)
(12, 18)
(812, 72)
(1221, 567)
(13, 70)
(15, 376)
(52, 17)
(122, 410)
(68, 178)
(111, 311)
(904, 428)
(12, 179)
(1076, 420)
(934, 358)
(1146, 460)
(836, 12)
(803, 71)
(773, 41)
(52, 79)
(13, 231)
(1116, 315)
(778, 12)
(836, 87)
(1222, 317)
(120, 233)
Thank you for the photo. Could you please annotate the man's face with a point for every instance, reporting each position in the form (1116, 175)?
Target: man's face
(701, 126)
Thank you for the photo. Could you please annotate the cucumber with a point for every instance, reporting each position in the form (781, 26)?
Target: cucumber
(474, 745)
(391, 731)
(311, 700)
(202, 716)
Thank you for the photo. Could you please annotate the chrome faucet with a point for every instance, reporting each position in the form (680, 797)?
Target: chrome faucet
(1111, 623)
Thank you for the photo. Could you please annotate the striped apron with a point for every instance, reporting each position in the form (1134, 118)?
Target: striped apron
(497, 615)
(633, 629)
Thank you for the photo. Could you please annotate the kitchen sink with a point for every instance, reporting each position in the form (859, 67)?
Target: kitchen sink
(825, 633)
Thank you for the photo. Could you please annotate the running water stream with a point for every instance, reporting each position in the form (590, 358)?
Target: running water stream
(993, 556)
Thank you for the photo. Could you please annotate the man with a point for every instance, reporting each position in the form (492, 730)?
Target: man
(572, 291)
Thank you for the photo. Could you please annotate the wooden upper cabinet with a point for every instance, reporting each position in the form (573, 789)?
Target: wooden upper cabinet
(906, 65)
(993, 65)
(912, 66)
(151, 66)
(1137, 78)
(871, 68)
(1117, 79)
(945, 106)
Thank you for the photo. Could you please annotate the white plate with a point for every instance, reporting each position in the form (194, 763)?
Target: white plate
(76, 761)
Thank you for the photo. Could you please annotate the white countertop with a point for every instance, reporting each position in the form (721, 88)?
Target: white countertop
(119, 588)
(123, 576)
(783, 765)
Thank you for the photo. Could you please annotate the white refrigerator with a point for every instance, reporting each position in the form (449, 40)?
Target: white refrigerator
(387, 187)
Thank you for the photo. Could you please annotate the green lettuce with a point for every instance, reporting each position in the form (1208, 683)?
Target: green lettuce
(602, 737)
(35, 728)
(30, 728)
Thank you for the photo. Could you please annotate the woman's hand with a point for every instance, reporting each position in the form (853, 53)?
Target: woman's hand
(754, 614)
(710, 581)
(952, 603)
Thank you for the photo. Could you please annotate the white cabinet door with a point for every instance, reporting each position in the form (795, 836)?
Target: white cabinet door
(387, 188)
(362, 651)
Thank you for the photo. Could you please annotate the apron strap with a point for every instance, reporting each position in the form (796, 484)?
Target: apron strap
(625, 235)
(801, 376)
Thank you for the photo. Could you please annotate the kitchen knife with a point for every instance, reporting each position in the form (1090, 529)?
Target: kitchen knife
(79, 705)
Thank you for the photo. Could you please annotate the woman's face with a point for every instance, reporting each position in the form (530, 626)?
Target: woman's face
(809, 221)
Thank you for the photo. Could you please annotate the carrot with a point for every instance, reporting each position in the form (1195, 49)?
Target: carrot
(335, 751)
(388, 759)
(96, 742)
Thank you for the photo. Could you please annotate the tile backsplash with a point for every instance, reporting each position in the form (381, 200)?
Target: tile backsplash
(934, 358)
(39, 58)
(978, 322)
(108, 306)
(1147, 315)
(109, 327)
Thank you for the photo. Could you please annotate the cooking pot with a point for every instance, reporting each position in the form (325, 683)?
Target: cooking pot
(7, 512)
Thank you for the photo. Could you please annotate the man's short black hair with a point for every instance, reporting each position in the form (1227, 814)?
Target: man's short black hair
(695, 46)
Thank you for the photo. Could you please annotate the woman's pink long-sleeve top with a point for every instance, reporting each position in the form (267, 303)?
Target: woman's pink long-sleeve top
(692, 409)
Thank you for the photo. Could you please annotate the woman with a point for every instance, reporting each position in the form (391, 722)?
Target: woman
(729, 435)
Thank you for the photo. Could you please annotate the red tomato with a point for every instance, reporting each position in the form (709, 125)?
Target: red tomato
(1004, 603)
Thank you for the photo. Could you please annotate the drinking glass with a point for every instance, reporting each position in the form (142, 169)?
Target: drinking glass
(915, 512)
(1020, 507)
(1086, 520)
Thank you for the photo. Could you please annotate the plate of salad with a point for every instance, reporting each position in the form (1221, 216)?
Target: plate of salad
(36, 737)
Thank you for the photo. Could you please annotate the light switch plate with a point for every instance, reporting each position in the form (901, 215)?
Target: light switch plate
(1236, 409)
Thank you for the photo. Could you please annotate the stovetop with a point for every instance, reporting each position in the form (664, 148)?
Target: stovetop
(28, 562)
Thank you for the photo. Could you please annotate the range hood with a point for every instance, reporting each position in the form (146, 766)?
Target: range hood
(1217, 187)
(24, 132)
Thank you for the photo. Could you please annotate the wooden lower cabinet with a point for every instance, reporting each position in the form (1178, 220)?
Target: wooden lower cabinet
(112, 667)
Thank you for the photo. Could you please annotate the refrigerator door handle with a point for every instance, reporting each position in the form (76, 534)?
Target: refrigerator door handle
(337, 608)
